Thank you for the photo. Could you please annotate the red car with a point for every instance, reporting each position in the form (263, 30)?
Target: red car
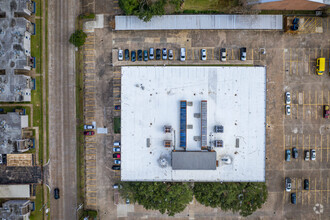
(89, 133)
(116, 155)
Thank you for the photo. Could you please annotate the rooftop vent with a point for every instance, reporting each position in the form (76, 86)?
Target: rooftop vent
(167, 143)
(218, 143)
(148, 142)
(237, 143)
(167, 128)
(218, 129)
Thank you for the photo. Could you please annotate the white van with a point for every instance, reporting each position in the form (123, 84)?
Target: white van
(183, 54)
(116, 143)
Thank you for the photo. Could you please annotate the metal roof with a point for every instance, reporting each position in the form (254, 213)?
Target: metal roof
(181, 22)
(15, 191)
(194, 160)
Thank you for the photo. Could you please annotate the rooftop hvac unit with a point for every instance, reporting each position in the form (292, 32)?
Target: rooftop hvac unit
(218, 129)
(162, 161)
(167, 128)
(167, 143)
(226, 160)
(218, 143)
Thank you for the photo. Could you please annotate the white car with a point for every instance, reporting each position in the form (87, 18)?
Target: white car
(86, 127)
(116, 149)
(288, 110)
(117, 161)
(203, 54)
(313, 154)
(170, 54)
(287, 184)
(306, 155)
(183, 54)
(223, 54)
(120, 55)
(287, 98)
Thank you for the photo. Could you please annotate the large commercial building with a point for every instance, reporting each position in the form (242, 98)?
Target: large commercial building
(193, 123)
(16, 210)
(15, 50)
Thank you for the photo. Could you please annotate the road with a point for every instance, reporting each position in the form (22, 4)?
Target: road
(62, 109)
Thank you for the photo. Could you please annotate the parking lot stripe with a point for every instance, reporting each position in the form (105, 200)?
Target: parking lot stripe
(232, 54)
(309, 194)
(315, 191)
(303, 104)
(283, 142)
(290, 64)
(327, 147)
(212, 54)
(283, 61)
(309, 144)
(116, 72)
(303, 144)
(321, 146)
(90, 61)
(291, 140)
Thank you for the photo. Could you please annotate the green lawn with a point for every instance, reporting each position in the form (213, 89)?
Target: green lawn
(37, 214)
(36, 45)
(209, 5)
(38, 7)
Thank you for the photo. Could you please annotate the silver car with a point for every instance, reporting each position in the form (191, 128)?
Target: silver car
(288, 110)
(151, 53)
(287, 98)
(287, 184)
(313, 154)
(223, 54)
(170, 54)
(203, 54)
(120, 55)
(183, 54)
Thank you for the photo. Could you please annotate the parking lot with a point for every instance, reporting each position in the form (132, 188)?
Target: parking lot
(290, 61)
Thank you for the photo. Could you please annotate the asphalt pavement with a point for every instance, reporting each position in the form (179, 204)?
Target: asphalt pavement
(62, 109)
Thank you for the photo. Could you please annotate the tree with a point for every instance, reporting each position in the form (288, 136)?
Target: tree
(78, 38)
(244, 198)
(170, 198)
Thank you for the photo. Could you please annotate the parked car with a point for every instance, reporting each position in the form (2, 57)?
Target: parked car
(133, 56)
(0, 158)
(127, 201)
(116, 167)
(89, 127)
(294, 153)
(287, 98)
(288, 110)
(89, 133)
(120, 55)
(293, 198)
(306, 184)
(151, 53)
(116, 149)
(158, 52)
(203, 54)
(306, 155)
(117, 107)
(126, 54)
(145, 55)
(243, 53)
(313, 154)
(117, 186)
(223, 54)
(139, 54)
(287, 184)
(56, 193)
(116, 143)
(170, 54)
(183, 54)
(287, 155)
(117, 161)
(116, 155)
(164, 54)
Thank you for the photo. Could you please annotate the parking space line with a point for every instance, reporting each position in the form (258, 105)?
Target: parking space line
(284, 61)
(303, 144)
(283, 142)
(316, 104)
(290, 64)
(303, 104)
(321, 189)
(252, 53)
(309, 93)
(309, 61)
(315, 191)
(89, 55)
(309, 144)
(90, 105)
(90, 61)
(212, 54)
(90, 142)
(291, 140)
(309, 194)
(89, 86)
(232, 54)
(89, 67)
(90, 148)
(327, 147)
(328, 190)
(116, 84)
(90, 173)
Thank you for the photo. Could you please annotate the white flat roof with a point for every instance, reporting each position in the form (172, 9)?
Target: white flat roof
(150, 99)
(15, 191)
(184, 22)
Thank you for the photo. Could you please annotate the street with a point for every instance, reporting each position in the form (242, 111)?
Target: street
(62, 109)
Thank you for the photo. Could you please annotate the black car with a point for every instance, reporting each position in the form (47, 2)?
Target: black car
(306, 184)
(133, 56)
(126, 54)
(56, 193)
(139, 52)
(116, 167)
(117, 107)
(145, 55)
(293, 198)
(158, 54)
(294, 153)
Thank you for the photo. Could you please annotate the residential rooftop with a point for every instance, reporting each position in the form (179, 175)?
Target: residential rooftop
(193, 123)
(11, 140)
(15, 51)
